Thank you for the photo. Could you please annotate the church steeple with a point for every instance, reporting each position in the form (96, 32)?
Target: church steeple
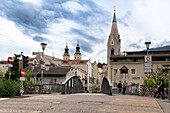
(77, 55)
(114, 17)
(113, 45)
(66, 55)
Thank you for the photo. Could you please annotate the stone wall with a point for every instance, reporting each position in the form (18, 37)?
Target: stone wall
(37, 89)
(149, 91)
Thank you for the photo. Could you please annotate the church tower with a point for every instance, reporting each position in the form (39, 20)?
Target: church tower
(66, 55)
(77, 54)
(113, 44)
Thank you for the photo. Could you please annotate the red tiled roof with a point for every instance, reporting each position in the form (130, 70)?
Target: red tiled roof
(31, 58)
(51, 58)
(3, 62)
(76, 61)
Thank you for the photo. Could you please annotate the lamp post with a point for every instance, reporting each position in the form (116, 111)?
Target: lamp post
(147, 47)
(43, 45)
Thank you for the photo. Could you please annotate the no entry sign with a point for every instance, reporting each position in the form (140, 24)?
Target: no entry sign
(10, 60)
(147, 75)
(23, 72)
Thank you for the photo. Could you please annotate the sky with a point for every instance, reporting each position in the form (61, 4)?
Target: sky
(24, 24)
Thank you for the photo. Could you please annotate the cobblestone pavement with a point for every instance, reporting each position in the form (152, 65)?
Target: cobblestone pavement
(80, 103)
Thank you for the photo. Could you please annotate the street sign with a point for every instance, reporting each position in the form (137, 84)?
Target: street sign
(147, 75)
(10, 60)
(10, 65)
(148, 58)
(22, 78)
(148, 71)
(37, 53)
(23, 72)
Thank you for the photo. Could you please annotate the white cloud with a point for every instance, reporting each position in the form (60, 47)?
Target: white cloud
(35, 2)
(74, 6)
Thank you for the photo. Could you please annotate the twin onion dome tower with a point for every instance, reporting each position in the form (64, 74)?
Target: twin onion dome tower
(77, 54)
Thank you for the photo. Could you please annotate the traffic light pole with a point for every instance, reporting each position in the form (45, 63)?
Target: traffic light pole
(22, 60)
(42, 68)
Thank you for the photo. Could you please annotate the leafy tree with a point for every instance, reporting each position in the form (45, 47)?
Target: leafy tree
(154, 79)
(28, 74)
(1, 72)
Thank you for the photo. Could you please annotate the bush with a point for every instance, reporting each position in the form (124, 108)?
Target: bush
(9, 88)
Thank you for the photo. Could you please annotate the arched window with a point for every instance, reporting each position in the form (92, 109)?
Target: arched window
(112, 42)
(112, 52)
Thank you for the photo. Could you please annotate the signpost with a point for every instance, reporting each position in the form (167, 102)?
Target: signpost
(10, 60)
(148, 66)
(147, 75)
(37, 53)
(22, 79)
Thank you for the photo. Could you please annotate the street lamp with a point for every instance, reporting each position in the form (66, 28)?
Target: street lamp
(43, 45)
(147, 46)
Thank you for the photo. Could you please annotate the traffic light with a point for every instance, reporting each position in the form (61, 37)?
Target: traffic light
(25, 61)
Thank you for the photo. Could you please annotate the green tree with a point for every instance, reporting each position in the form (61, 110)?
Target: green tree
(1, 72)
(28, 74)
(15, 69)
(160, 71)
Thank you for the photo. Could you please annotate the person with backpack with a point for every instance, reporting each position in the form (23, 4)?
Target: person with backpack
(119, 86)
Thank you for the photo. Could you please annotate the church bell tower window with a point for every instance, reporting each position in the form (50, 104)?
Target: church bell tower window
(112, 52)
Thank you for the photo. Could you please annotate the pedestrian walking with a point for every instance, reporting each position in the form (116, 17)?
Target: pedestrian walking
(124, 87)
(160, 90)
(119, 87)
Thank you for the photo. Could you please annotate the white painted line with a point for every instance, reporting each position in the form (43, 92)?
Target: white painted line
(3, 99)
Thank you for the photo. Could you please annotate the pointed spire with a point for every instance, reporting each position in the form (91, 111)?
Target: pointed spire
(78, 48)
(77, 43)
(66, 53)
(66, 45)
(114, 17)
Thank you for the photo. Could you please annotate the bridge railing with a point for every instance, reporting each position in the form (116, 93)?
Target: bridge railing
(72, 85)
(106, 86)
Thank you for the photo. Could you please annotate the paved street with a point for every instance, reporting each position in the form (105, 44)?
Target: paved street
(80, 103)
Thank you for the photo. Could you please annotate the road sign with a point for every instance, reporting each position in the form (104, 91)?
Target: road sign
(10, 65)
(22, 78)
(148, 71)
(10, 60)
(37, 53)
(147, 75)
(23, 72)
(148, 58)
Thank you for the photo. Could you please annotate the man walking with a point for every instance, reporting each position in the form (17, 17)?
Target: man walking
(160, 88)
(124, 87)
(119, 87)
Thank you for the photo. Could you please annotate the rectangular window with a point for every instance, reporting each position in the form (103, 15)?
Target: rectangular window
(133, 71)
(115, 71)
(55, 80)
(51, 80)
